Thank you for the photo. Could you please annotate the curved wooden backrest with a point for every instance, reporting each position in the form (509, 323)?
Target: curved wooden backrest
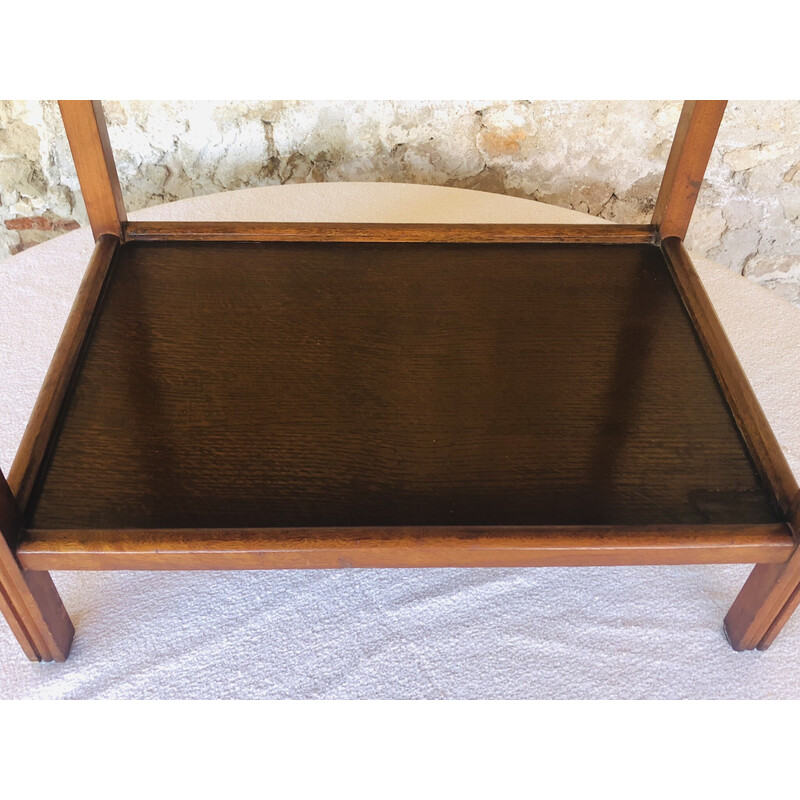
(691, 149)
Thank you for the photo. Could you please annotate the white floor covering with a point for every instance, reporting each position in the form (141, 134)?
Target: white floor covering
(634, 632)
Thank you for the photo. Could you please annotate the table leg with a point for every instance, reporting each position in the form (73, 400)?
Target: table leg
(28, 600)
(767, 600)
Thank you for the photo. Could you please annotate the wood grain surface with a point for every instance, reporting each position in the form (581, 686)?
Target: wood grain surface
(324, 385)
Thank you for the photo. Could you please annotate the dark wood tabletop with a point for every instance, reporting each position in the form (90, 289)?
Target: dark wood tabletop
(355, 384)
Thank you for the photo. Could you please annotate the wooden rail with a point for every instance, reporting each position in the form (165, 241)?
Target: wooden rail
(37, 435)
(386, 232)
(329, 548)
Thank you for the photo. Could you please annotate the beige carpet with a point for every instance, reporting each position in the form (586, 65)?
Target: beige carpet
(637, 632)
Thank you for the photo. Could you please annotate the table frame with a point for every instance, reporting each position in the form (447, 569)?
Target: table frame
(33, 608)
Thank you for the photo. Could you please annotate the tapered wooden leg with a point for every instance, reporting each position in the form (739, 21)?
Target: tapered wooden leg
(767, 600)
(29, 600)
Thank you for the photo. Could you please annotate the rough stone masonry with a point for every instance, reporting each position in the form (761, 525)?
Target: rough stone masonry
(603, 158)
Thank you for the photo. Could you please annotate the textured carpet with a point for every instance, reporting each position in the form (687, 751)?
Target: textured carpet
(634, 632)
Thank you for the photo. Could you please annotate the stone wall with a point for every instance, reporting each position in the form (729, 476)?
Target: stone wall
(604, 158)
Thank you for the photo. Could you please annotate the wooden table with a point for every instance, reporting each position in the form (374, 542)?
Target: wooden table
(239, 395)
